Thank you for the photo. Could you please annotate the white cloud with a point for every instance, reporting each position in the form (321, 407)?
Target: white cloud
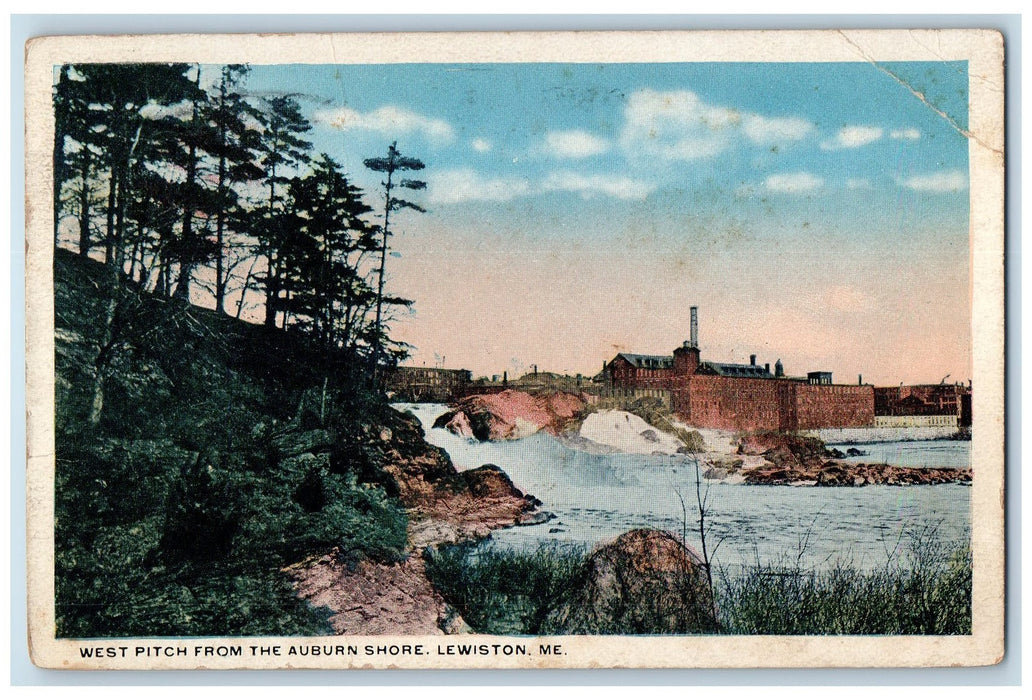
(465, 185)
(574, 144)
(589, 185)
(675, 125)
(480, 145)
(910, 134)
(771, 130)
(949, 181)
(679, 125)
(793, 183)
(389, 119)
(454, 186)
(853, 137)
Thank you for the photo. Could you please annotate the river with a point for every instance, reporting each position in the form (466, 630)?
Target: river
(597, 497)
(923, 453)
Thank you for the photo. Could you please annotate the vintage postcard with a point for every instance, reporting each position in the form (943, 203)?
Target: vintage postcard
(516, 350)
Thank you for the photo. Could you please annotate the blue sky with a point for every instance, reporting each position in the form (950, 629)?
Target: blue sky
(575, 210)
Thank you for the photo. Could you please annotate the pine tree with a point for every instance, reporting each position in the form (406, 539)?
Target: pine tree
(322, 254)
(282, 150)
(393, 163)
(234, 121)
(110, 108)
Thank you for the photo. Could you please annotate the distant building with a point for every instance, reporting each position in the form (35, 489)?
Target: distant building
(536, 381)
(710, 394)
(432, 384)
(938, 404)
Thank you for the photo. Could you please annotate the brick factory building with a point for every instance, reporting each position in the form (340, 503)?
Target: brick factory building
(923, 404)
(738, 397)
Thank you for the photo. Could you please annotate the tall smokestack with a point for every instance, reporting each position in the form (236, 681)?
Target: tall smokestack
(695, 327)
(752, 360)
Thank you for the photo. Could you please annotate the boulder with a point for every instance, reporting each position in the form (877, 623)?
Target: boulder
(650, 435)
(644, 582)
(444, 505)
(511, 414)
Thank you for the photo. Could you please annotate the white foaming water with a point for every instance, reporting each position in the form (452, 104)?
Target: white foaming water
(597, 497)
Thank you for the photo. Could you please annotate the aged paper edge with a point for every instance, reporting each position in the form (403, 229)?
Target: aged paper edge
(983, 49)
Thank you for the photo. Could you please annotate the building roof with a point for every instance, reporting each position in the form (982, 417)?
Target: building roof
(648, 361)
(724, 369)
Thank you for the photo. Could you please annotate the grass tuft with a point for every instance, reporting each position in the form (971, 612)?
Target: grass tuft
(501, 591)
(925, 589)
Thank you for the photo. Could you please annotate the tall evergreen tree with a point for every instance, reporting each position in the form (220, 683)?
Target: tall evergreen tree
(74, 155)
(394, 162)
(322, 253)
(282, 150)
(236, 140)
(111, 106)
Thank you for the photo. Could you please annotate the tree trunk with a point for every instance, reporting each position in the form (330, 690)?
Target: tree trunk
(109, 240)
(272, 276)
(220, 271)
(84, 207)
(111, 281)
(377, 339)
(247, 286)
(186, 258)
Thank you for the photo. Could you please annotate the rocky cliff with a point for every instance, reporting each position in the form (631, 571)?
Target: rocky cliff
(444, 506)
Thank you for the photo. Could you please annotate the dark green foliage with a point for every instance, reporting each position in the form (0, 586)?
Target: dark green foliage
(178, 497)
(311, 493)
(176, 512)
(168, 178)
(325, 241)
(503, 591)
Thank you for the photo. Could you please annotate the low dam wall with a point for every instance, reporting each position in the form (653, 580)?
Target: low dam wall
(855, 435)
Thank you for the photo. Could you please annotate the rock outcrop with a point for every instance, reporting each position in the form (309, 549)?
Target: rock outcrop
(644, 582)
(784, 449)
(471, 505)
(369, 598)
(796, 460)
(511, 414)
(443, 505)
(833, 473)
